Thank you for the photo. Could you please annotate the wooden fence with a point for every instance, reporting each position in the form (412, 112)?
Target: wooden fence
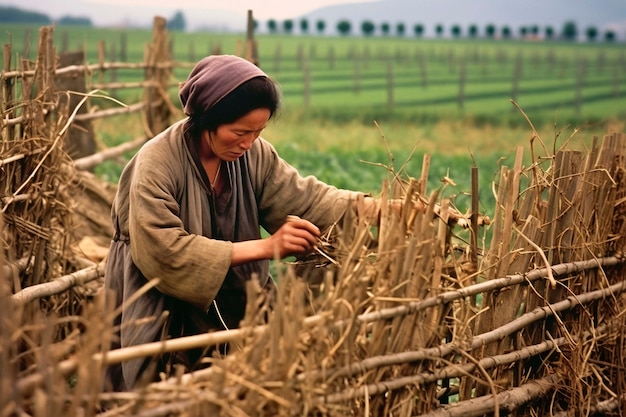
(419, 319)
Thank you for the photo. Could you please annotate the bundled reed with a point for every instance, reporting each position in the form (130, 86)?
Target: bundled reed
(403, 323)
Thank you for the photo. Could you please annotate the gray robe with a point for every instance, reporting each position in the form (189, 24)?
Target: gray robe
(170, 226)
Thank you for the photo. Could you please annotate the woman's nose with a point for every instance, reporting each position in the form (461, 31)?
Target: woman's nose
(247, 141)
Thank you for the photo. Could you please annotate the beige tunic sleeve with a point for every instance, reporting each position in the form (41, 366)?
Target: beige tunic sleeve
(283, 191)
(190, 266)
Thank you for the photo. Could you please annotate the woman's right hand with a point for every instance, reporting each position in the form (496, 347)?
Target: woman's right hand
(296, 236)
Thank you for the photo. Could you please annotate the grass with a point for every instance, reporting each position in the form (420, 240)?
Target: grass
(334, 135)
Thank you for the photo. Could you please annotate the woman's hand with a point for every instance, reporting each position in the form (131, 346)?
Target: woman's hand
(296, 236)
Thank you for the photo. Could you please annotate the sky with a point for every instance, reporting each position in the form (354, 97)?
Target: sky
(262, 9)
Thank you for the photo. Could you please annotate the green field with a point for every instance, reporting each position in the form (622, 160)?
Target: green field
(450, 99)
(350, 77)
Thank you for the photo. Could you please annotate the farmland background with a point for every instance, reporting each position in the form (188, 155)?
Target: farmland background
(354, 107)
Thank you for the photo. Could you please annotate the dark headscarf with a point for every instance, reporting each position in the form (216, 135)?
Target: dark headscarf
(212, 79)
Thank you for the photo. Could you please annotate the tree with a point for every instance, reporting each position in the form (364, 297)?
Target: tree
(419, 30)
(473, 31)
(570, 31)
(549, 32)
(400, 29)
(75, 21)
(288, 26)
(523, 32)
(304, 26)
(609, 35)
(177, 22)
(384, 28)
(490, 30)
(367, 27)
(456, 31)
(320, 26)
(592, 33)
(439, 30)
(534, 30)
(506, 32)
(15, 15)
(344, 27)
(272, 26)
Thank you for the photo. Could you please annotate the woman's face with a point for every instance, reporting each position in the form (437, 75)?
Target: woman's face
(230, 141)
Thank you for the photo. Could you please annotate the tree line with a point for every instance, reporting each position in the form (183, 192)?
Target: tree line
(177, 22)
(569, 31)
(9, 14)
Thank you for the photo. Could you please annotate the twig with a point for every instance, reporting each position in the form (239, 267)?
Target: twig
(549, 274)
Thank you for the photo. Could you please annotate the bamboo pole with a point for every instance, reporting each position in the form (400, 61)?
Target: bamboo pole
(508, 400)
(91, 161)
(236, 335)
(450, 371)
(132, 108)
(58, 285)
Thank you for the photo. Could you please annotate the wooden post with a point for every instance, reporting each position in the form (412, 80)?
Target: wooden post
(356, 78)
(307, 85)
(64, 42)
(389, 85)
(312, 52)
(580, 83)
(300, 56)
(451, 61)
(6, 109)
(113, 58)
(158, 53)
(251, 49)
(517, 76)
(101, 60)
(191, 54)
(80, 140)
(277, 58)
(551, 60)
(474, 221)
(27, 42)
(331, 57)
(216, 48)
(123, 47)
(423, 70)
(366, 57)
(484, 64)
(462, 74)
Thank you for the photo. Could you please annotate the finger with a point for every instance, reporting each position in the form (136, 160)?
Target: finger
(304, 235)
(303, 224)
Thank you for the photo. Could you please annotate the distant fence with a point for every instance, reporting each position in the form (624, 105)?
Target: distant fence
(419, 320)
(480, 76)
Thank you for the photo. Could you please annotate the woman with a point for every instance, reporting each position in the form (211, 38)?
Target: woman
(189, 208)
